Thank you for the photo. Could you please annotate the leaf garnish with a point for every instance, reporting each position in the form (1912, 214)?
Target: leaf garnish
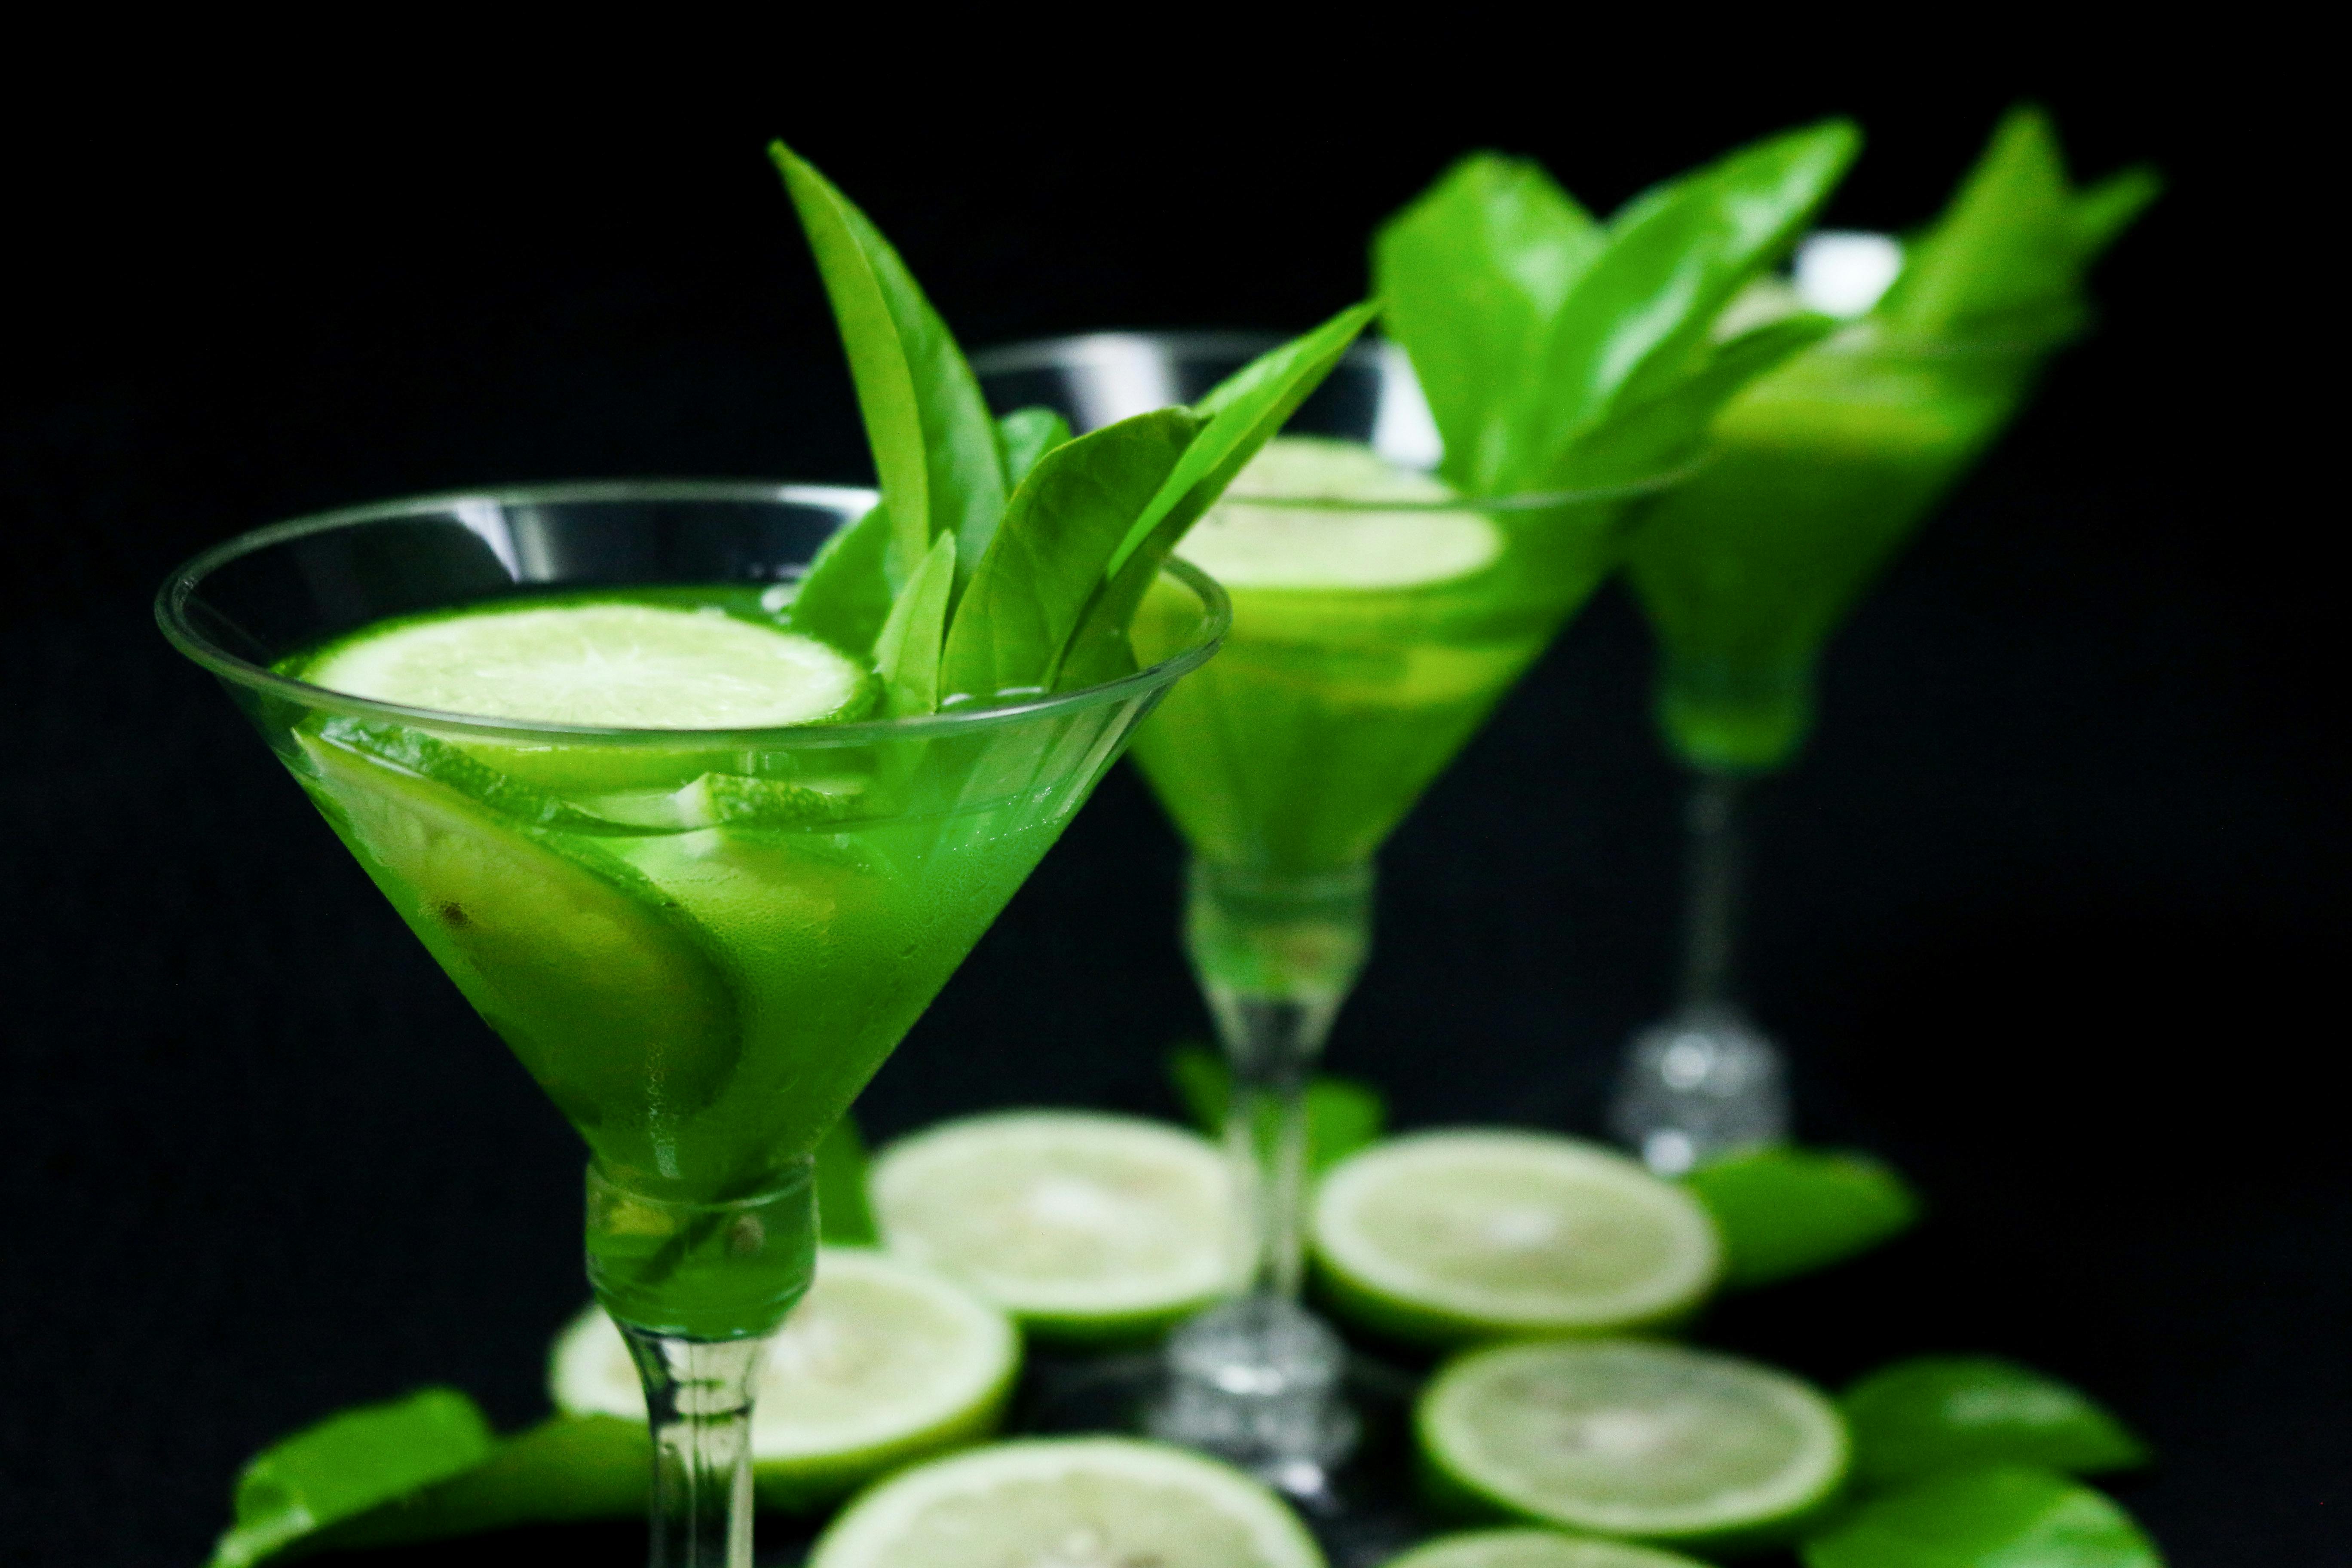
(907, 653)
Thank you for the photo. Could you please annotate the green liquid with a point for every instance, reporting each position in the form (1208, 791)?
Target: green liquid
(1821, 471)
(703, 981)
(1301, 747)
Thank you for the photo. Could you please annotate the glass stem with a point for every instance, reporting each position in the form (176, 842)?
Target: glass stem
(698, 1396)
(1711, 918)
(1276, 956)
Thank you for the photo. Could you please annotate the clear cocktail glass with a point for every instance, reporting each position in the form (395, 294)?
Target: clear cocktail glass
(1818, 473)
(701, 943)
(1286, 765)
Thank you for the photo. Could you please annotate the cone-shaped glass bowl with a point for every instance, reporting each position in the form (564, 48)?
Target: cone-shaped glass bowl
(701, 943)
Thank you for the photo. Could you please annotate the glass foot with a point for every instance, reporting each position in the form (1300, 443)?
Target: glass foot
(1702, 1083)
(1257, 1381)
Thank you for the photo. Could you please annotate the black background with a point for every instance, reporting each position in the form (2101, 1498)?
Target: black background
(2051, 914)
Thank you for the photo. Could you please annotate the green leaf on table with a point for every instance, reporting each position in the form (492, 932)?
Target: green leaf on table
(1244, 411)
(1784, 1211)
(2009, 1517)
(1343, 1115)
(1024, 436)
(1639, 320)
(934, 445)
(845, 597)
(1051, 552)
(1471, 277)
(566, 1469)
(907, 653)
(1932, 1414)
(2007, 258)
(845, 1216)
(348, 1463)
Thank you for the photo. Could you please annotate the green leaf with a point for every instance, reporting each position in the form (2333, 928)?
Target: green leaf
(1024, 436)
(1638, 442)
(567, 1469)
(2005, 1517)
(2005, 260)
(844, 1218)
(1636, 322)
(347, 1465)
(907, 653)
(1933, 1413)
(1050, 555)
(846, 595)
(1245, 411)
(934, 444)
(1343, 1115)
(1471, 277)
(1787, 1211)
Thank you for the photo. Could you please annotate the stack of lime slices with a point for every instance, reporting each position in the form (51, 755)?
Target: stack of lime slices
(881, 1363)
(1083, 1225)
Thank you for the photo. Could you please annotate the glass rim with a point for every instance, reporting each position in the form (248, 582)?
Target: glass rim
(185, 581)
(1052, 353)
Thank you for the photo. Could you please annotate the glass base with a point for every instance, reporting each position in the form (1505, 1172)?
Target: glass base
(1700, 1084)
(1257, 1381)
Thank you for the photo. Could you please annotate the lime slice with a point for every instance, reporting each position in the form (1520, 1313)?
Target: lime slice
(881, 1363)
(624, 665)
(1631, 1437)
(1085, 1225)
(1071, 1502)
(1447, 1237)
(1534, 1549)
(1290, 546)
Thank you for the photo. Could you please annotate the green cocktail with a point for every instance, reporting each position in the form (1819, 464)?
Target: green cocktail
(1821, 470)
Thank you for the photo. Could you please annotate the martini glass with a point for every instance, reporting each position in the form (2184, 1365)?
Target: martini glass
(701, 943)
(1820, 472)
(1284, 766)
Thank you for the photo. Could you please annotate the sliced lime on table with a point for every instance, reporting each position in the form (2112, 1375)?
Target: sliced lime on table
(1631, 1437)
(1082, 1225)
(1070, 1502)
(1534, 1549)
(882, 1362)
(1449, 1237)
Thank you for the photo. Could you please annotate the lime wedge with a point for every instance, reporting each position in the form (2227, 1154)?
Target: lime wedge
(1072, 1503)
(881, 1363)
(1629, 1438)
(1449, 1237)
(1259, 545)
(2007, 1516)
(1534, 1549)
(612, 663)
(1083, 1225)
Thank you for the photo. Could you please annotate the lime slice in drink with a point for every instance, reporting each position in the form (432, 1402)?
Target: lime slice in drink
(1534, 1549)
(1081, 1225)
(1631, 1437)
(1074, 1501)
(597, 663)
(882, 1362)
(1449, 1237)
(1246, 543)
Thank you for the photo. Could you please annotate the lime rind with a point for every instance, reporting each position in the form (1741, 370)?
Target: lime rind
(1080, 1499)
(1617, 1437)
(1451, 1238)
(1534, 1549)
(884, 1364)
(1085, 1227)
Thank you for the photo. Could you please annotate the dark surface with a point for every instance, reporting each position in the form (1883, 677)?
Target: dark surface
(2051, 915)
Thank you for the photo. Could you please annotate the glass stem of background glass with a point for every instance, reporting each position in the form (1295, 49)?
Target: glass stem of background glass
(1711, 918)
(699, 1395)
(1275, 955)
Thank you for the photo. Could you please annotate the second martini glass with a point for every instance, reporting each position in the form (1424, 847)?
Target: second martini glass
(1359, 663)
(1819, 474)
(700, 943)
